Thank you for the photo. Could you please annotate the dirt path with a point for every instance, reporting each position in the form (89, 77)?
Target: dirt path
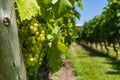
(65, 73)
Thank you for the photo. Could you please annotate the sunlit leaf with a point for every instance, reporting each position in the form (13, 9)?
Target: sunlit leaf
(54, 1)
(27, 9)
(61, 7)
(56, 53)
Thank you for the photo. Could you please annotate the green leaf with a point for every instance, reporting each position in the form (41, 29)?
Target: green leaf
(49, 36)
(45, 7)
(50, 27)
(72, 2)
(62, 47)
(27, 9)
(46, 1)
(56, 30)
(116, 1)
(61, 7)
(118, 14)
(56, 54)
(79, 4)
(77, 14)
(54, 1)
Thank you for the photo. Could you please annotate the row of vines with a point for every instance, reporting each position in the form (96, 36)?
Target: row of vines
(46, 28)
(104, 29)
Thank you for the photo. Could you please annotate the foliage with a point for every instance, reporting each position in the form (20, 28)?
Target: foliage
(45, 28)
(27, 8)
(105, 27)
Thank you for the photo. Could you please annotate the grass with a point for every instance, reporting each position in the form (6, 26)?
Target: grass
(89, 64)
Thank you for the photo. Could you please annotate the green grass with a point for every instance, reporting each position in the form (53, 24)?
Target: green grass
(92, 65)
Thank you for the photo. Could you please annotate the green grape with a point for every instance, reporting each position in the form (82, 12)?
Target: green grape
(37, 49)
(32, 64)
(36, 24)
(30, 55)
(38, 39)
(40, 46)
(41, 35)
(31, 27)
(42, 38)
(35, 60)
(35, 29)
(42, 32)
(37, 55)
(40, 61)
(31, 59)
(33, 38)
(33, 41)
(32, 49)
(37, 33)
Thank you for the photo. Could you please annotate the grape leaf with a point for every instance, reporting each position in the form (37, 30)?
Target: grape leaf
(46, 1)
(54, 1)
(45, 5)
(118, 14)
(79, 4)
(27, 9)
(56, 54)
(61, 7)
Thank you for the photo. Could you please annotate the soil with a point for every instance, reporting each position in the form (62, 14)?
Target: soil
(65, 73)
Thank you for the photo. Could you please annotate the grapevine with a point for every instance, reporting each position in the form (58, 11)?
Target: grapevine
(45, 33)
(104, 29)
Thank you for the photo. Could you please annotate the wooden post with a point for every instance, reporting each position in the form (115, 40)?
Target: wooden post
(11, 61)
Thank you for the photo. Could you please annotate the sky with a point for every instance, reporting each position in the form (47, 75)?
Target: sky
(91, 8)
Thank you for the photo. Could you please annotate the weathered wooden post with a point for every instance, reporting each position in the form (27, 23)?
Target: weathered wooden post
(11, 61)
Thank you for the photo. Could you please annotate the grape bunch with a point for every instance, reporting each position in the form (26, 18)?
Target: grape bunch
(32, 38)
